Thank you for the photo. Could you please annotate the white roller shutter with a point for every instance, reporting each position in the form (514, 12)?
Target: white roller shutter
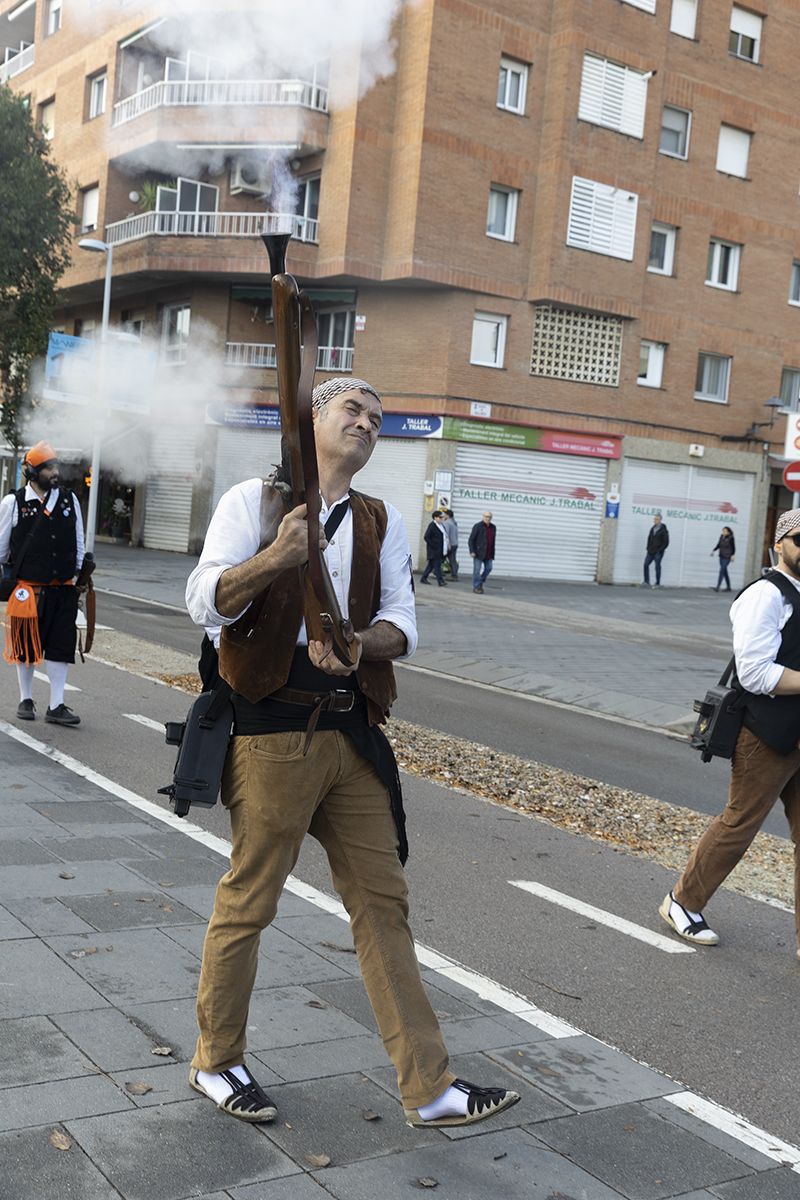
(695, 503)
(244, 454)
(602, 218)
(645, 5)
(547, 509)
(396, 472)
(170, 481)
(733, 151)
(612, 95)
(683, 19)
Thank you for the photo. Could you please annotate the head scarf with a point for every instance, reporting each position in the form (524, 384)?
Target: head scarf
(788, 522)
(40, 454)
(326, 391)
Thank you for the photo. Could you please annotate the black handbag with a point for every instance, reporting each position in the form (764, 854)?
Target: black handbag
(720, 717)
(9, 572)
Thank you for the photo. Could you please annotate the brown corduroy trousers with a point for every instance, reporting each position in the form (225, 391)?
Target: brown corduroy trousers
(275, 796)
(759, 776)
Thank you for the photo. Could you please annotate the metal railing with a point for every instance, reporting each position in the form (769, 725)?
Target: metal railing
(175, 93)
(262, 354)
(20, 62)
(212, 224)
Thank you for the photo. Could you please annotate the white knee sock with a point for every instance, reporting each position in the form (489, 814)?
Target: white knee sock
(218, 1088)
(25, 681)
(57, 674)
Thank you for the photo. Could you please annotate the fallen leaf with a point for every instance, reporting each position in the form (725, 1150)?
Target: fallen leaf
(497, 1157)
(427, 1182)
(369, 1115)
(629, 1128)
(138, 1089)
(65, 875)
(318, 1160)
(166, 907)
(166, 883)
(162, 1051)
(59, 1140)
(315, 1004)
(334, 946)
(144, 899)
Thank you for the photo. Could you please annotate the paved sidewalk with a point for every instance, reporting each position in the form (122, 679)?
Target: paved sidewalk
(641, 655)
(102, 915)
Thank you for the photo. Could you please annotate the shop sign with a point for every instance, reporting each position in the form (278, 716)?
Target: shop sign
(71, 371)
(520, 437)
(266, 416)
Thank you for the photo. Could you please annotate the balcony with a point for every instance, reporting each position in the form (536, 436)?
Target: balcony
(17, 63)
(255, 354)
(191, 93)
(209, 224)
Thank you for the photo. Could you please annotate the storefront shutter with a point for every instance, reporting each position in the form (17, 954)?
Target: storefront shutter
(170, 481)
(396, 472)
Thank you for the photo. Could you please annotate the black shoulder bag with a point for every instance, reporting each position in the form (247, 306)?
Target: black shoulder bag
(10, 571)
(720, 717)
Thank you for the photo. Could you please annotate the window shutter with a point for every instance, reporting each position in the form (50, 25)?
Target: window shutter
(746, 23)
(613, 95)
(91, 201)
(683, 20)
(602, 218)
(646, 5)
(733, 151)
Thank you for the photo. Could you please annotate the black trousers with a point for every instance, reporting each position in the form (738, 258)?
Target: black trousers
(435, 565)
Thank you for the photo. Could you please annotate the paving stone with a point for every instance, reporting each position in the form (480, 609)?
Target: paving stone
(84, 812)
(191, 1149)
(109, 1038)
(350, 996)
(188, 871)
(297, 1187)
(715, 1137)
(45, 914)
(45, 880)
(131, 966)
(35, 1051)
(84, 849)
(325, 934)
(35, 981)
(476, 1033)
(534, 1105)
(640, 1154)
(282, 960)
(315, 1060)
(326, 1116)
(16, 852)
(21, 820)
(10, 927)
(199, 899)
(49, 1103)
(480, 1168)
(130, 910)
(779, 1184)
(584, 1073)
(69, 1176)
(167, 844)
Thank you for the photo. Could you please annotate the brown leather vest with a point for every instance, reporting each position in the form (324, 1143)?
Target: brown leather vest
(255, 653)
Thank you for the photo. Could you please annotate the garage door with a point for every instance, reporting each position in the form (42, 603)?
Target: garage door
(170, 481)
(547, 509)
(244, 454)
(695, 503)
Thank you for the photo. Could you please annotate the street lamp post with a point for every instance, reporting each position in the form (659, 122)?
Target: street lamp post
(99, 417)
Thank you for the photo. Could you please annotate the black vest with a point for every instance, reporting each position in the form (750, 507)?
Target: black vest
(53, 550)
(776, 719)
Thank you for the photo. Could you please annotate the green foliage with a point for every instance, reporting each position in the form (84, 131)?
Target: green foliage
(36, 225)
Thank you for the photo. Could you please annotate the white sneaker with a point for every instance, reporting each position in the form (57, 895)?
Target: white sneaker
(689, 925)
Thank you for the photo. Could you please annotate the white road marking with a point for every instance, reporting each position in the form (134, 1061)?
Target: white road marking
(668, 945)
(148, 722)
(68, 687)
(512, 1002)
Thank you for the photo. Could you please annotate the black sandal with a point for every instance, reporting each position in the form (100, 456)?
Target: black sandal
(247, 1101)
(481, 1103)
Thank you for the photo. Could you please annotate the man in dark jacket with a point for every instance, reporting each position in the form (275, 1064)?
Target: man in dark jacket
(436, 544)
(657, 542)
(482, 548)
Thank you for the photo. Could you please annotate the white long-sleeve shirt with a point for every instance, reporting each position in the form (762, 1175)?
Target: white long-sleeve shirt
(758, 617)
(9, 515)
(234, 536)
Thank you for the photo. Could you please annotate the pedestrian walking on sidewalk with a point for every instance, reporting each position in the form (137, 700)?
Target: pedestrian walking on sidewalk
(766, 761)
(482, 542)
(657, 542)
(436, 548)
(41, 538)
(451, 529)
(726, 548)
(341, 785)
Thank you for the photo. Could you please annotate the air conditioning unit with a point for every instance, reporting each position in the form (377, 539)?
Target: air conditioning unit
(249, 178)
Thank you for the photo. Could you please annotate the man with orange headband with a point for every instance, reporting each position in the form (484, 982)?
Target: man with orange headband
(41, 536)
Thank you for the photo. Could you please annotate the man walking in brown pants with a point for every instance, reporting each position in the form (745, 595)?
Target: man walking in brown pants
(341, 786)
(766, 762)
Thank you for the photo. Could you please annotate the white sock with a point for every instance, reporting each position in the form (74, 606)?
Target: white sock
(679, 914)
(25, 681)
(451, 1103)
(218, 1088)
(57, 674)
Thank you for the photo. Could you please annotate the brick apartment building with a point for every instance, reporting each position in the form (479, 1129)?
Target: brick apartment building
(561, 238)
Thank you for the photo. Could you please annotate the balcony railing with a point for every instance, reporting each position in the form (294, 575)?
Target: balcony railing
(255, 354)
(20, 62)
(178, 93)
(212, 224)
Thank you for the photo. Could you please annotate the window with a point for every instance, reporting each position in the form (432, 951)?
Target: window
(189, 207)
(722, 270)
(646, 5)
(90, 201)
(733, 151)
(52, 17)
(790, 388)
(308, 198)
(713, 373)
(683, 20)
(675, 124)
(175, 332)
(47, 119)
(584, 347)
(661, 259)
(794, 284)
(132, 321)
(651, 364)
(745, 36)
(488, 340)
(612, 95)
(85, 327)
(512, 84)
(501, 219)
(602, 218)
(97, 95)
(335, 334)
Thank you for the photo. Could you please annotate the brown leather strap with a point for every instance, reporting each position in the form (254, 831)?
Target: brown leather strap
(335, 700)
